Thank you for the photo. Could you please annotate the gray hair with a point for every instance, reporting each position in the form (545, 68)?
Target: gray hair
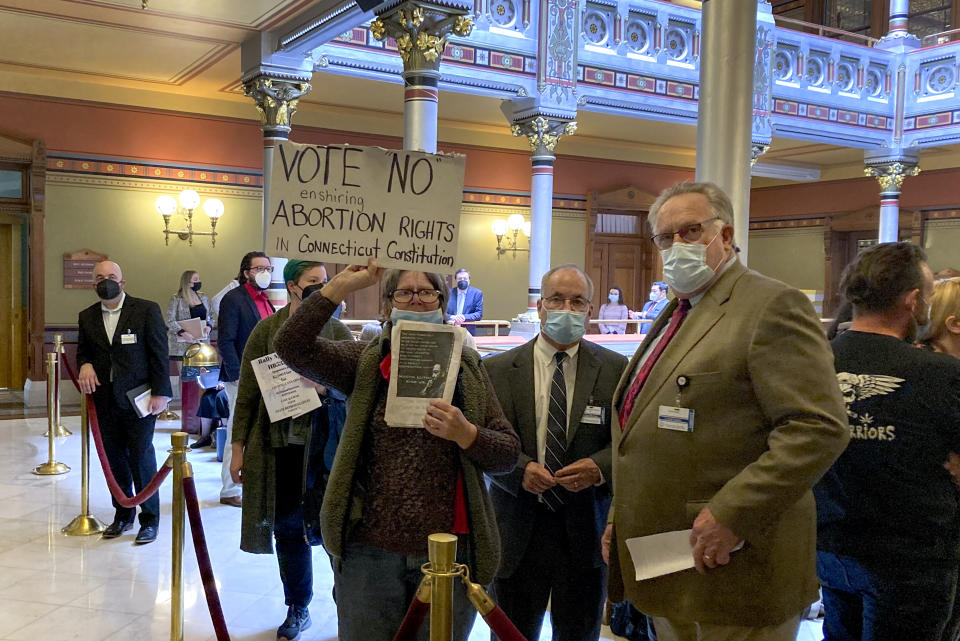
(576, 268)
(718, 199)
(392, 277)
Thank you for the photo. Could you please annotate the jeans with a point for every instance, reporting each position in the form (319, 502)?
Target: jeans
(374, 588)
(889, 600)
(293, 551)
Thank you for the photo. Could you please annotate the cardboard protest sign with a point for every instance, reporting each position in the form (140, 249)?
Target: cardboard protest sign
(345, 204)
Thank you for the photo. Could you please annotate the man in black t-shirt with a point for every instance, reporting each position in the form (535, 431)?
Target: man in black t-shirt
(888, 524)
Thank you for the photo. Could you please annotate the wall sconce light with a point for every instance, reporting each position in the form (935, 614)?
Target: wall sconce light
(513, 225)
(167, 206)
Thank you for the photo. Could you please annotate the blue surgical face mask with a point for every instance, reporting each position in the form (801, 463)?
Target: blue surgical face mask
(614, 298)
(565, 327)
(685, 267)
(433, 316)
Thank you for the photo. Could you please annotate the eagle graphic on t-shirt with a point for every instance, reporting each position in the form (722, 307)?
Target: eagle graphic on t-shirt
(856, 387)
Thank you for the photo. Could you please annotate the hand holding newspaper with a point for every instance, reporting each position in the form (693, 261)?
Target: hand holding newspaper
(664, 553)
(424, 363)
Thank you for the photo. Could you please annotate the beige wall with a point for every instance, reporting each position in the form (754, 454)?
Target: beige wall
(942, 242)
(794, 256)
(504, 282)
(117, 217)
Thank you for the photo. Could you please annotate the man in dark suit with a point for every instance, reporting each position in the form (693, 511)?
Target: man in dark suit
(556, 390)
(466, 302)
(122, 346)
(240, 311)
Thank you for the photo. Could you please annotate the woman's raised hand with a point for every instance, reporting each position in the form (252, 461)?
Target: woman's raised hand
(353, 278)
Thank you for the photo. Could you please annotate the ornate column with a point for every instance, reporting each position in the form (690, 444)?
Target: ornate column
(420, 30)
(898, 38)
(276, 99)
(543, 131)
(725, 111)
(890, 173)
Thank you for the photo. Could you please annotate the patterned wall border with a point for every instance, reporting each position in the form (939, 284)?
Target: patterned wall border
(152, 170)
(504, 211)
(822, 113)
(131, 174)
(945, 214)
(638, 84)
(793, 223)
(456, 53)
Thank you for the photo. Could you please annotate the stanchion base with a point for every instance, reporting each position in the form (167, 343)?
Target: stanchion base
(167, 415)
(84, 525)
(58, 432)
(50, 468)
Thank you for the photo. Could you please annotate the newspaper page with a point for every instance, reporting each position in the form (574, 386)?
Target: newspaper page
(284, 392)
(424, 364)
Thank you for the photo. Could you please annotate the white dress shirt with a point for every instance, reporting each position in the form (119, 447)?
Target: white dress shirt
(111, 317)
(544, 365)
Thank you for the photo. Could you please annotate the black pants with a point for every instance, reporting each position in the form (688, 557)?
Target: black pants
(549, 571)
(128, 442)
(293, 552)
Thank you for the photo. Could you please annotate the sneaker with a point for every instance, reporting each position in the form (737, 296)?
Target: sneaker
(298, 620)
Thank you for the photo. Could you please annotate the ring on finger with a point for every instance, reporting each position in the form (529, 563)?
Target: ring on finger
(707, 557)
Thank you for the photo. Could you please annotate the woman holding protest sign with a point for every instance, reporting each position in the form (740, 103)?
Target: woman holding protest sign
(282, 464)
(392, 487)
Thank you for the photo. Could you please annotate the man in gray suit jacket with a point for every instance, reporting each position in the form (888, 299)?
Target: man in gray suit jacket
(556, 390)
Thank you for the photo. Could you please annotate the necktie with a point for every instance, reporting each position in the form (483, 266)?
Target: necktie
(675, 320)
(556, 431)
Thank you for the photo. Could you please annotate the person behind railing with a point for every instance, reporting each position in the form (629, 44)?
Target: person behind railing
(390, 488)
(614, 310)
(121, 347)
(281, 465)
(466, 302)
(652, 308)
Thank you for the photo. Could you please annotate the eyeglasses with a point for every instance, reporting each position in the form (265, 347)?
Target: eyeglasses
(406, 295)
(577, 303)
(257, 270)
(688, 233)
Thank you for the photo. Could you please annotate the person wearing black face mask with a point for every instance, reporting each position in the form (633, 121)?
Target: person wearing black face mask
(120, 347)
(282, 465)
(466, 302)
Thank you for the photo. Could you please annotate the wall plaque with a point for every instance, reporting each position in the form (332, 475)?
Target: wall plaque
(78, 268)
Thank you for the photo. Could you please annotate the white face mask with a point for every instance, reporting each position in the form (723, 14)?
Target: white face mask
(263, 279)
(685, 267)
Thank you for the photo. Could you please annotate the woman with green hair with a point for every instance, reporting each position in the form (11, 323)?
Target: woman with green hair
(281, 465)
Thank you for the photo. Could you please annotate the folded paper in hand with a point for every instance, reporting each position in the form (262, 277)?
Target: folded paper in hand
(192, 326)
(139, 397)
(663, 553)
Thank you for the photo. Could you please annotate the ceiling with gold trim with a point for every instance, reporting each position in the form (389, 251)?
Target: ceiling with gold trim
(184, 55)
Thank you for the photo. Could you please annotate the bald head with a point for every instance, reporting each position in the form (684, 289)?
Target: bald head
(107, 270)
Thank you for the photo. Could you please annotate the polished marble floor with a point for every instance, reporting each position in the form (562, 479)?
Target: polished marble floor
(59, 588)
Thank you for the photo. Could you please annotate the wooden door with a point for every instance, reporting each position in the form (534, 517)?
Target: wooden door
(13, 361)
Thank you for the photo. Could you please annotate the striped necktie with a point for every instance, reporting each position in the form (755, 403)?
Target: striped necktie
(556, 431)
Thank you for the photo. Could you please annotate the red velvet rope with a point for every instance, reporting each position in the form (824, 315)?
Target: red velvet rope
(502, 626)
(73, 377)
(118, 494)
(203, 559)
(412, 620)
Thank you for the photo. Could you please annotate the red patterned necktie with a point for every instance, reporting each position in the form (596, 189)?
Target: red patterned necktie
(675, 320)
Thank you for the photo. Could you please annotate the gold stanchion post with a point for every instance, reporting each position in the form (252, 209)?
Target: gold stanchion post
(61, 430)
(178, 459)
(84, 524)
(51, 467)
(442, 551)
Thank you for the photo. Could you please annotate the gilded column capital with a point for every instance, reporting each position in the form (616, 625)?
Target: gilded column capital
(890, 175)
(543, 132)
(276, 100)
(420, 30)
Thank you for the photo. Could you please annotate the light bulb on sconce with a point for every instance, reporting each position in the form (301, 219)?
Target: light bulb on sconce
(185, 204)
(510, 228)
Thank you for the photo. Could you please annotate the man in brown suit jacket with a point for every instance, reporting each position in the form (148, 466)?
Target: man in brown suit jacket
(751, 362)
